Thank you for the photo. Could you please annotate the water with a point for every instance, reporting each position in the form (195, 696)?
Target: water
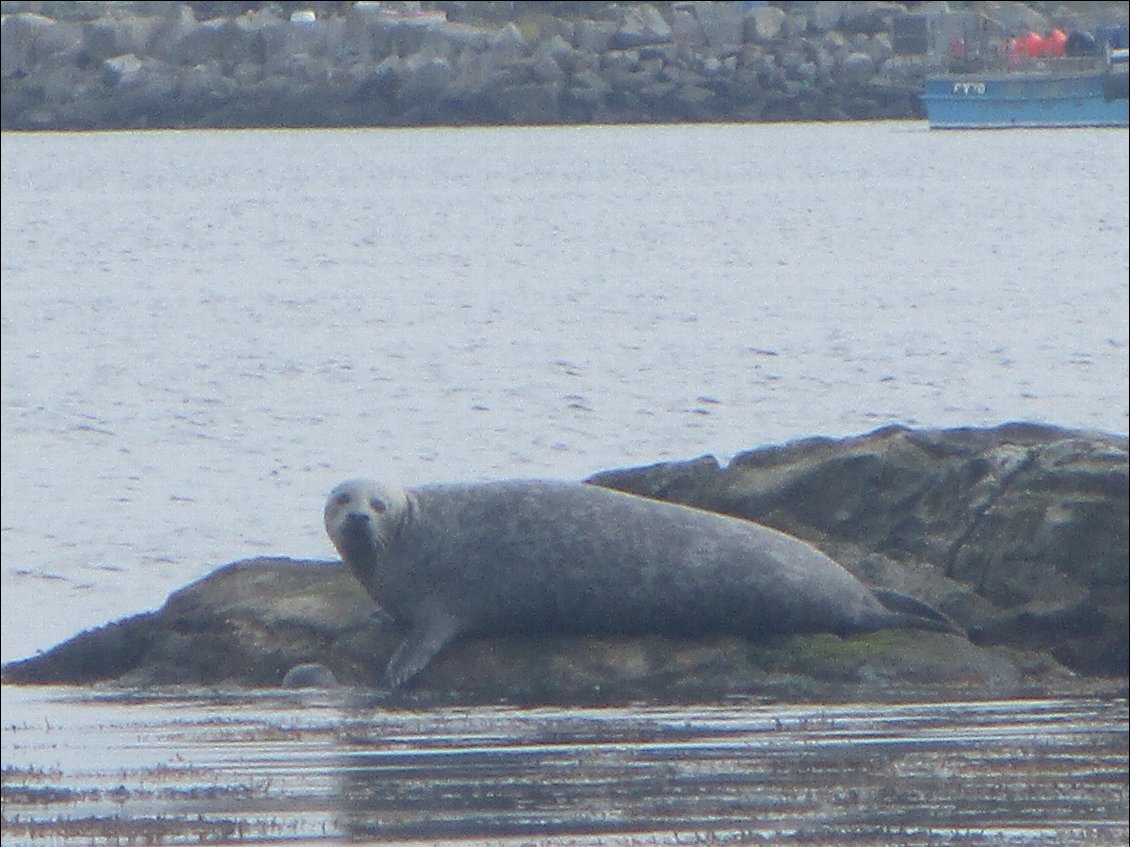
(310, 768)
(204, 332)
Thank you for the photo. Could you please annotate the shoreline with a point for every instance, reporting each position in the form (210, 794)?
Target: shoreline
(103, 65)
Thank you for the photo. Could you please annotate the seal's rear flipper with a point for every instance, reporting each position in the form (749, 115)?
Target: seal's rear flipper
(917, 614)
(434, 629)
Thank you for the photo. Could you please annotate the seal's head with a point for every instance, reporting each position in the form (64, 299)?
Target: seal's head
(362, 518)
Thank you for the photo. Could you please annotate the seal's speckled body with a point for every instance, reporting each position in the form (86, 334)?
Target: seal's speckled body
(542, 556)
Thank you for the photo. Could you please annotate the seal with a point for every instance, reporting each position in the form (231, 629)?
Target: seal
(455, 560)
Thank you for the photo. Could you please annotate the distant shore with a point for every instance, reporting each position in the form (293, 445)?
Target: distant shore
(104, 65)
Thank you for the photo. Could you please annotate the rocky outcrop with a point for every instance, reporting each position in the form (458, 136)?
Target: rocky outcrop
(1019, 533)
(271, 622)
(113, 65)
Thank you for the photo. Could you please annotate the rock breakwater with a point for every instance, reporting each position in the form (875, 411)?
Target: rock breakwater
(103, 65)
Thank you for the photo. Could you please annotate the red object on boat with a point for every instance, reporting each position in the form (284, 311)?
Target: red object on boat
(1034, 45)
(1055, 44)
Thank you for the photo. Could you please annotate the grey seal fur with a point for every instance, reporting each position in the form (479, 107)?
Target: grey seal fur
(455, 560)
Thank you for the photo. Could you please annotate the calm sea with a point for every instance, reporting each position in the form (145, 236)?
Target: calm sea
(204, 331)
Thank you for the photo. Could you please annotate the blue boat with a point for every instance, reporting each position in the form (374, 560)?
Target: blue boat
(984, 80)
(1052, 97)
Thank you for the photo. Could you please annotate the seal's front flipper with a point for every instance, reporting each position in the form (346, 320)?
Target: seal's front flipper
(434, 629)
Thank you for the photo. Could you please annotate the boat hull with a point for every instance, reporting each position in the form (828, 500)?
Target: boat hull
(1003, 100)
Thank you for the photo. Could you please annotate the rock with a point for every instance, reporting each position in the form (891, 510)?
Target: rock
(879, 48)
(368, 32)
(723, 25)
(204, 43)
(856, 69)
(616, 61)
(873, 17)
(1033, 519)
(122, 70)
(170, 32)
(248, 622)
(383, 83)
(594, 36)
(1018, 532)
(764, 23)
(904, 72)
(307, 34)
(509, 41)
(641, 25)
(100, 39)
(796, 25)
(1018, 18)
(695, 103)
(423, 79)
(526, 104)
(309, 675)
(286, 63)
(272, 622)
(546, 69)
(30, 39)
(686, 31)
(557, 50)
(145, 89)
(458, 37)
(586, 94)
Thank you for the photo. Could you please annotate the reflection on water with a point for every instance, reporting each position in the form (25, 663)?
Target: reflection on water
(320, 767)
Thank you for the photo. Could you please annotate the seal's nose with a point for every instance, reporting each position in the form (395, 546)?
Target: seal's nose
(356, 520)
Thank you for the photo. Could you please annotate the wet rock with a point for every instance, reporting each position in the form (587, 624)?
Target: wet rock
(1031, 520)
(1018, 533)
(309, 675)
(248, 623)
(271, 622)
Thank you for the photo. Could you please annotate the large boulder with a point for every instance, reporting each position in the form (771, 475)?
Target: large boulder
(642, 25)
(30, 39)
(271, 622)
(1019, 533)
(764, 23)
(1020, 529)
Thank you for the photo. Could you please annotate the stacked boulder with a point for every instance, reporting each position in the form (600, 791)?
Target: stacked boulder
(107, 65)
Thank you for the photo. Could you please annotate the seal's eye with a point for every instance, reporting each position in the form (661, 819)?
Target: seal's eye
(378, 505)
(341, 499)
